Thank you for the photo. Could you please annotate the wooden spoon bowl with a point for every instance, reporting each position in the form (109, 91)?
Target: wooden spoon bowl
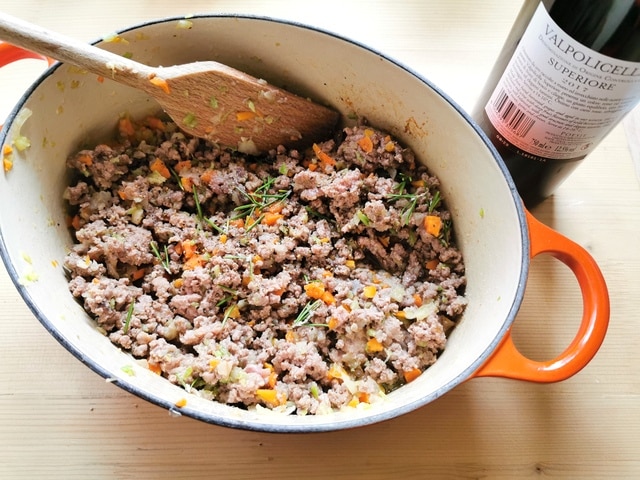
(205, 99)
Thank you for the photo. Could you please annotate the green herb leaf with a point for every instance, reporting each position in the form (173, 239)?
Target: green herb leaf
(306, 313)
(163, 259)
(127, 321)
(190, 120)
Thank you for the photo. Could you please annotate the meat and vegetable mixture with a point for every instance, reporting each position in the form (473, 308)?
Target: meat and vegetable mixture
(298, 281)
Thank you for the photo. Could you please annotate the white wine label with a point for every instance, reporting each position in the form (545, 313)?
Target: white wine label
(557, 99)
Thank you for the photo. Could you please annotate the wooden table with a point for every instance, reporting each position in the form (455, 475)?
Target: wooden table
(60, 420)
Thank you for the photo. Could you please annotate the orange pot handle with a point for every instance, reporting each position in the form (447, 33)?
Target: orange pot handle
(508, 362)
(10, 53)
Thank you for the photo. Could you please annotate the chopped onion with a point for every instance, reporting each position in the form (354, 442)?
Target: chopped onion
(421, 312)
(246, 145)
(20, 141)
(397, 293)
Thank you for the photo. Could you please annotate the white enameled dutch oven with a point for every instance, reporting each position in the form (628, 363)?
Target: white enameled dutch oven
(498, 237)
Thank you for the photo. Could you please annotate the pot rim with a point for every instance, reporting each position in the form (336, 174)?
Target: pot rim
(227, 421)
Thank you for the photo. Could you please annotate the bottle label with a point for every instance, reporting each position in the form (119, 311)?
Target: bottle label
(557, 99)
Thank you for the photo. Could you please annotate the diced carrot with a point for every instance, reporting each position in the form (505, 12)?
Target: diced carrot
(411, 375)
(182, 165)
(353, 402)
(161, 83)
(223, 238)
(75, 222)
(7, 163)
(7, 149)
(138, 274)
(207, 176)
(350, 263)
(369, 291)
(123, 195)
(335, 372)
(432, 264)
(433, 224)
(417, 299)
(178, 282)
(313, 167)
(314, 289)
(155, 123)
(363, 397)
(154, 367)
(187, 183)
(232, 312)
(400, 315)
(291, 336)
(188, 248)
(100, 79)
(194, 262)
(374, 345)
(182, 402)
(268, 395)
(389, 146)
(322, 156)
(328, 298)
(275, 207)
(157, 165)
(126, 128)
(273, 379)
(271, 218)
(238, 222)
(243, 116)
(366, 144)
(85, 160)
(332, 323)
(418, 183)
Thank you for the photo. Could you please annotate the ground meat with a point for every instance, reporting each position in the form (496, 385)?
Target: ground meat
(300, 281)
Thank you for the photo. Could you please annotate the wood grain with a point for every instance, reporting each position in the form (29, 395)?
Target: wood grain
(274, 116)
(58, 420)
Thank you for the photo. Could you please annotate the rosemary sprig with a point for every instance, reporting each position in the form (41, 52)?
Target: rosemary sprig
(196, 200)
(314, 213)
(260, 199)
(231, 295)
(445, 235)
(127, 321)
(412, 199)
(163, 259)
(306, 313)
(434, 201)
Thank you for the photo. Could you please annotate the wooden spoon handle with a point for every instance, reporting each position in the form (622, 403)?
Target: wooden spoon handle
(68, 50)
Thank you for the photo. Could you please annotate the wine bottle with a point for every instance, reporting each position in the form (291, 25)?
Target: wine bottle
(568, 73)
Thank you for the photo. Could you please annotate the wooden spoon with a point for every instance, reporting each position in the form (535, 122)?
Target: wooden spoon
(205, 99)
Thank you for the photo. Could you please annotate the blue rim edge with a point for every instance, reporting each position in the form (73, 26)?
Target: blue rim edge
(276, 428)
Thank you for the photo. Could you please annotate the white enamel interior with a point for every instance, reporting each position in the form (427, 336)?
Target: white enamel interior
(71, 108)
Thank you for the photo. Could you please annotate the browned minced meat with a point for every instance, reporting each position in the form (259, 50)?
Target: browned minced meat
(297, 281)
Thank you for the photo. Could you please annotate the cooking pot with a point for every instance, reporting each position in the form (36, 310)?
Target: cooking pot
(71, 108)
